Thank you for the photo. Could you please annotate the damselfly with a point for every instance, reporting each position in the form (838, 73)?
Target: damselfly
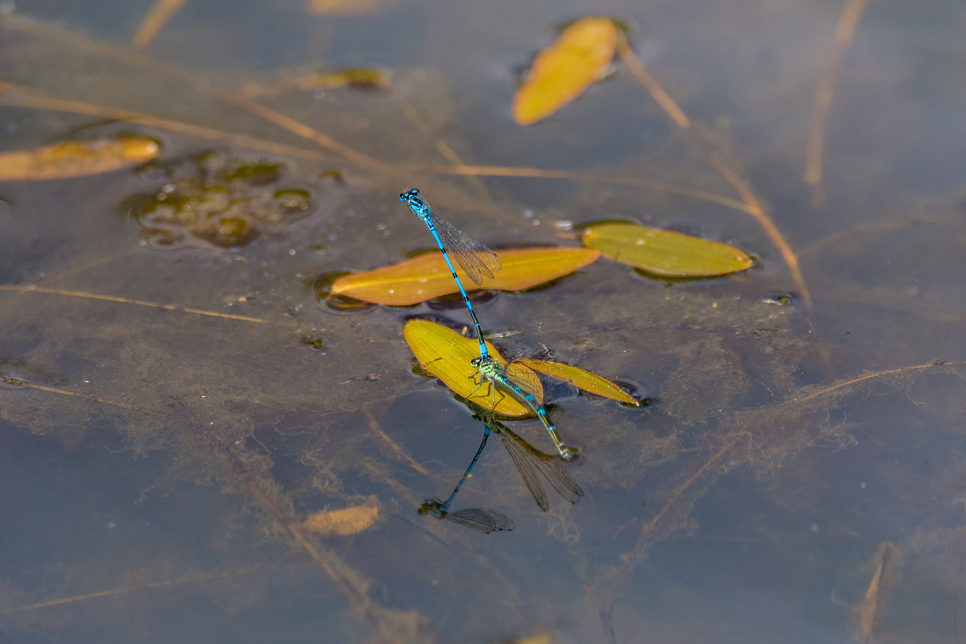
(475, 259)
(524, 385)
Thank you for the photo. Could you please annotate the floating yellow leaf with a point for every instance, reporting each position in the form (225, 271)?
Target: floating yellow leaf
(579, 58)
(664, 252)
(76, 159)
(427, 276)
(446, 354)
(581, 379)
(342, 523)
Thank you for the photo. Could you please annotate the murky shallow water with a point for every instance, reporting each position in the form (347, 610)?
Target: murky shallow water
(762, 496)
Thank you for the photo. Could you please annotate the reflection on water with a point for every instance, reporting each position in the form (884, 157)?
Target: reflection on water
(175, 403)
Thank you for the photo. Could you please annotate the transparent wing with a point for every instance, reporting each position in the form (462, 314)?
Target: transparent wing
(525, 378)
(523, 461)
(481, 519)
(556, 391)
(550, 466)
(475, 258)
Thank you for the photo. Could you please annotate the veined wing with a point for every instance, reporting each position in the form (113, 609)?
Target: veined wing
(481, 519)
(550, 466)
(526, 379)
(522, 460)
(475, 258)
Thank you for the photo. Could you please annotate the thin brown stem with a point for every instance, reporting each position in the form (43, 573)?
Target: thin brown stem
(754, 207)
(345, 578)
(160, 13)
(39, 30)
(17, 96)
(17, 382)
(630, 560)
(27, 288)
(393, 445)
(823, 99)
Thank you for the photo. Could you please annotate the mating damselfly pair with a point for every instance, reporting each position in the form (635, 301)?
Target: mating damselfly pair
(512, 379)
(477, 260)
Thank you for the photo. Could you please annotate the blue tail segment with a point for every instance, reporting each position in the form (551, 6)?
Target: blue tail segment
(474, 258)
(522, 384)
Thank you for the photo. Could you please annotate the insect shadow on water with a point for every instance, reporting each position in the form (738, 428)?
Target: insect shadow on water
(482, 520)
(528, 461)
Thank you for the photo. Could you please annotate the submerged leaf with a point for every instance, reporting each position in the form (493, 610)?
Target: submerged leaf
(446, 354)
(664, 252)
(76, 158)
(579, 58)
(428, 276)
(343, 7)
(871, 604)
(363, 78)
(342, 523)
(581, 379)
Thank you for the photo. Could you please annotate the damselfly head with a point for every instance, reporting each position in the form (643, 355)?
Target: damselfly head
(476, 362)
(432, 506)
(409, 194)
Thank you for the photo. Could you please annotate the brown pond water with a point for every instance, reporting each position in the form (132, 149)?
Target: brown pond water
(796, 477)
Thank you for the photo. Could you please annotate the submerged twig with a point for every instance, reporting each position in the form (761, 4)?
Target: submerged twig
(875, 228)
(16, 96)
(118, 591)
(40, 30)
(88, 265)
(161, 11)
(869, 607)
(823, 99)
(409, 111)
(29, 288)
(754, 208)
(17, 382)
(729, 442)
(393, 445)
(352, 586)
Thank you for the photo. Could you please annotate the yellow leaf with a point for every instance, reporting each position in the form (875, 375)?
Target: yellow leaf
(446, 354)
(579, 58)
(581, 379)
(342, 7)
(664, 252)
(76, 159)
(342, 523)
(427, 276)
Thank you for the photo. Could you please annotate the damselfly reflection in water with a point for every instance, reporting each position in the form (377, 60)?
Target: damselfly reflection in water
(528, 462)
(480, 519)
